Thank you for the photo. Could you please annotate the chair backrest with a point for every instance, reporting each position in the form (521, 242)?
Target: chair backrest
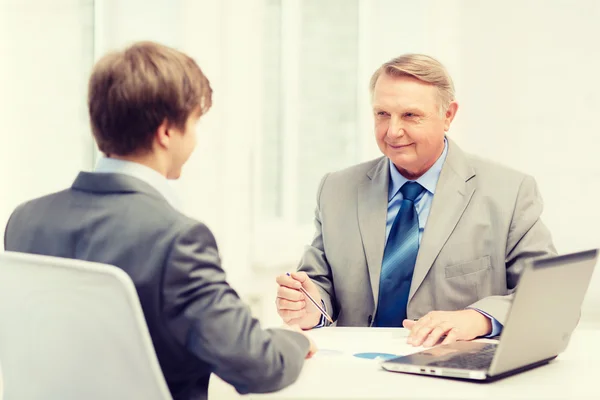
(1, 383)
(72, 330)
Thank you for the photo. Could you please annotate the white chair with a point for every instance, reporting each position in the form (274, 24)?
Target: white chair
(73, 330)
(1, 384)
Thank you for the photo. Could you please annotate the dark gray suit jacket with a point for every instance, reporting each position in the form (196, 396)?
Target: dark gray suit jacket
(197, 322)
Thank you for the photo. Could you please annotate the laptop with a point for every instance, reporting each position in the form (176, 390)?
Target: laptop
(546, 308)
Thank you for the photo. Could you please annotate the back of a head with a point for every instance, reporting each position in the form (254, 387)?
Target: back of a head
(133, 91)
(422, 67)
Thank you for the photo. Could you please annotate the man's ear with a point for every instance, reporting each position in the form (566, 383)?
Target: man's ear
(450, 114)
(163, 135)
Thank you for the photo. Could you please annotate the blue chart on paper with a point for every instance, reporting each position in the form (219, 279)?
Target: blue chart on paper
(372, 356)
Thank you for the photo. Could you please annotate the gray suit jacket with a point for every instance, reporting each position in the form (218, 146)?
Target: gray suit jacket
(197, 322)
(483, 226)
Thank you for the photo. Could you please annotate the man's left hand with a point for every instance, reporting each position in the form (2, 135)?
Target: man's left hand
(454, 325)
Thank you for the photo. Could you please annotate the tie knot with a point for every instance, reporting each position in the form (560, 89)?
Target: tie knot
(411, 190)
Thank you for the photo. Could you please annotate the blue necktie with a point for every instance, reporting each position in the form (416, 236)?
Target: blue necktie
(399, 260)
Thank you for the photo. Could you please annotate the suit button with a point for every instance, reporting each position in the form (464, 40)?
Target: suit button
(369, 319)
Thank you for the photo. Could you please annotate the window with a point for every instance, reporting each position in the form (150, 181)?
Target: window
(310, 117)
(47, 52)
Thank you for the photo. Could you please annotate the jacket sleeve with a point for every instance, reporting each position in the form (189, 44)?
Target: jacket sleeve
(314, 263)
(206, 315)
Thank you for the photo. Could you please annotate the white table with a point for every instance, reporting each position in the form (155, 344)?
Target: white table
(575, 374)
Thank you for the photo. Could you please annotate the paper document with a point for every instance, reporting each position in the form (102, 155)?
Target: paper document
(363, 343)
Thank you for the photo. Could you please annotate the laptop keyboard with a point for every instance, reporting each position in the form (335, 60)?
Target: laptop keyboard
(482, 359)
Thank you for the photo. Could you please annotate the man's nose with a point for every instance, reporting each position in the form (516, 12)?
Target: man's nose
(395, 129)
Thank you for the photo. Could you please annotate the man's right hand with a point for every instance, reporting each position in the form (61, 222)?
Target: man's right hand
(313, 347)
(292, 306)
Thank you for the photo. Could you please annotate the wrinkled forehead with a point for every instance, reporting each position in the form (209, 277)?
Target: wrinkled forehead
(404, 92)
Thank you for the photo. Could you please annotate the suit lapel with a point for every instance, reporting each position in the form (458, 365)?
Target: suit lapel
(372, 215)
(452, 196)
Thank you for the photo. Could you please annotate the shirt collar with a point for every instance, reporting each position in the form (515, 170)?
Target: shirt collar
(146, 174)
(428, 180)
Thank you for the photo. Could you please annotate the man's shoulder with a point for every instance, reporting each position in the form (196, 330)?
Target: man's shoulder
(497, 181)
(494, 171)
(357, 173)
(136, 210)
(42, 202)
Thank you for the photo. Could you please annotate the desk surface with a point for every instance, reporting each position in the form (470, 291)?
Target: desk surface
(336, 374)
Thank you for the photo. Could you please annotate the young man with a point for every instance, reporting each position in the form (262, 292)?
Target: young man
(144, 103)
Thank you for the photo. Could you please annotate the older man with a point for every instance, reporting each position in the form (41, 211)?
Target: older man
(426, 237)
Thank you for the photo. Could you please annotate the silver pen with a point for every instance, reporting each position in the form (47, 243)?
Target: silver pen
(321, 309)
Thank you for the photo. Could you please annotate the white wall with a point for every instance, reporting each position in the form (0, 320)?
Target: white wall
(46, 52)
(524, 71)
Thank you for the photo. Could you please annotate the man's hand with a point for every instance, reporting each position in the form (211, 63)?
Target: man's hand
(313, 347)
(455, 325)
(292, 306)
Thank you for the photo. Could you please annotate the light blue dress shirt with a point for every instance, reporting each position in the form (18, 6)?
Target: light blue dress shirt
(151, 177)
(423, 206)
(423, 202)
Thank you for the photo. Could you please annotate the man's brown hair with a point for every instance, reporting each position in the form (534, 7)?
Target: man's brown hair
(133, 91)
